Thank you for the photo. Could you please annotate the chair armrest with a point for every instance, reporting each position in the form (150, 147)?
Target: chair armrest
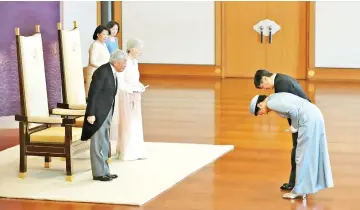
(44, 120)
(68, 112)
(71, 106)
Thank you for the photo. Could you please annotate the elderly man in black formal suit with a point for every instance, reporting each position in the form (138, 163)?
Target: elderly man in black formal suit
(99, 111)
(264, 79)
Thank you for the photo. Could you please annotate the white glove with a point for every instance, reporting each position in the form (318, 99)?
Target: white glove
(142, 88)
(291, 129)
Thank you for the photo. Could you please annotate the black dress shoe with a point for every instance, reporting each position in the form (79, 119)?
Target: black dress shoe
(102, 178)
(112, 176)
(287, 186)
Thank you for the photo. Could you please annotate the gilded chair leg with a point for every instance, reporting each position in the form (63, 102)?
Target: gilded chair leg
(47, 165)
(23, 156)
(22, 175)
(47, 162)
(68, 168)
(68, 178)
(68, 140)
(108, 160)
(23, 166)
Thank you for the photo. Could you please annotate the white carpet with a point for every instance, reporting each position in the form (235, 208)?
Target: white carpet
(138, 182)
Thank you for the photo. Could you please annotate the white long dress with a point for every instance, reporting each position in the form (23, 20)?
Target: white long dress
(126, 128)
(98, 55)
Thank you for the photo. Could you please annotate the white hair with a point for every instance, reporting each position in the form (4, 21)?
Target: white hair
(134, 43)
(117, 55)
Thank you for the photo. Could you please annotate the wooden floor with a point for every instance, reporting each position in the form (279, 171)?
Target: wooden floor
(216, 112)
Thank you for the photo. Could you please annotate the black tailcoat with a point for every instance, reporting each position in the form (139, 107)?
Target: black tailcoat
(101, 99)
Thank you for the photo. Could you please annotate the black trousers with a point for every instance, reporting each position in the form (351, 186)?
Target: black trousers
(293, 153)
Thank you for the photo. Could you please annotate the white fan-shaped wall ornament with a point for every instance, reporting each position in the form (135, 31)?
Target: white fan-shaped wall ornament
(266, 26)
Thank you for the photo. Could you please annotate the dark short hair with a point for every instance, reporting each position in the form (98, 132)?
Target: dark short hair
(260, 99)
(111, 24)
(259, 75)
(99, 30)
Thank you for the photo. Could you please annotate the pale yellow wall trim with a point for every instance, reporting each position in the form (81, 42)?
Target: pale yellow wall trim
(218, 38)
(98, 12)
(118, 19)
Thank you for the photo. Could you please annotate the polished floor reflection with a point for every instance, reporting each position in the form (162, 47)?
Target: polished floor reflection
(210, 111)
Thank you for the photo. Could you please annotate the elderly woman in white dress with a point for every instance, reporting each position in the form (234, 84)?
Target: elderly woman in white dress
(313, 170)
(126, 128)
(98, 54)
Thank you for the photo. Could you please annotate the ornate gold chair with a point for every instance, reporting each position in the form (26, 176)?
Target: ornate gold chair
(41, 134)
(72, 75)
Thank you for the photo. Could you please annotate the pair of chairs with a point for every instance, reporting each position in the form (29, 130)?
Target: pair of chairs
(44, 132)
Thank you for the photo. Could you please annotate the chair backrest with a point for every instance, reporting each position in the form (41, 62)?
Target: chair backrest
(33, 91)
(71, 66)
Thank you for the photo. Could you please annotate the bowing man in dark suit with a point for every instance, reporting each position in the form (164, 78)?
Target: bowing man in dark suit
(282, 83)
(99, 111)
